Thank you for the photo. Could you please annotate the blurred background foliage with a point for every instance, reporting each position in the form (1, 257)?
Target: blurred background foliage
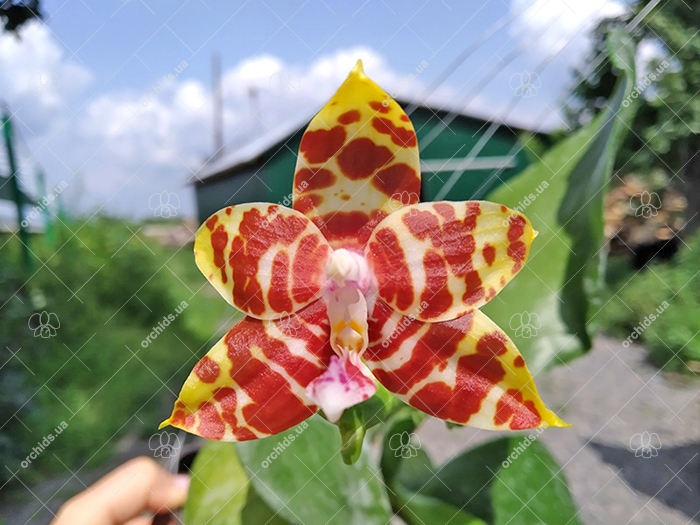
(124, 382)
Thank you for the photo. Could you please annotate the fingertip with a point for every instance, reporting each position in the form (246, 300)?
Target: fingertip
(180, 487)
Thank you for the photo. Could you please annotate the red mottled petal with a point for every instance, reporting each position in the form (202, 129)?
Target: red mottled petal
(252, 383)
(437, 261)
(375, 170)
(465, 370)
(265, 259)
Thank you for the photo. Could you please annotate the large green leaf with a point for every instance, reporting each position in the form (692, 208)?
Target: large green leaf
(417, 509)
(219, 487)
(301, 475)
(512, 481)
(563, 197)
(406, 470)
(257, 512)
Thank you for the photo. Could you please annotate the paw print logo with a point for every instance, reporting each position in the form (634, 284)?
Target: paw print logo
(164, 444)
(44, 324)
(164, 204)
(525, 84)
(404, 445)
(44, 84)
(289, 324)
(405, 198)
(525, 324)
(284, 83)
(645, 445)
(645, 204)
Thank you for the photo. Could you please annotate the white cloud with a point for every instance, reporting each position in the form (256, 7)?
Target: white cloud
(125, 144)
(556, 22)
(36, 68)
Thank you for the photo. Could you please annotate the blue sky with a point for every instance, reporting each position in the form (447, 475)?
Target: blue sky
(80, 82)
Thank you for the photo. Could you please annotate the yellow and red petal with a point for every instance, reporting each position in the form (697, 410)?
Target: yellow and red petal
(358, 162)
(265, 259)
(438, 261)
(251, 384)
(465, 370)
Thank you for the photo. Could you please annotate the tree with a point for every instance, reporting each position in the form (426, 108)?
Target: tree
(15, 13)
(664, 134)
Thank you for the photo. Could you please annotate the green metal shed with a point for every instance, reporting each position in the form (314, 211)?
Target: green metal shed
(263, 170)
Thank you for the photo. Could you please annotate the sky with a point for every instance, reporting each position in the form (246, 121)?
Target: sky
(81, 85)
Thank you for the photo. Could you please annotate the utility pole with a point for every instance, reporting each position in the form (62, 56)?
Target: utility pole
(23, 235)
(218, 105)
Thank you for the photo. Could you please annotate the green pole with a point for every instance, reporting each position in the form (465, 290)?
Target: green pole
(49, 232)
(16, 193)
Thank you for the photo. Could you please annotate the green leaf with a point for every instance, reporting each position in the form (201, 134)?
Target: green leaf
(219, 487)
(257, 512)
(406, 468)
(512, 481)
(301, 475)
(418, 509)
(404, 422)
(581, 210)
(563, 197)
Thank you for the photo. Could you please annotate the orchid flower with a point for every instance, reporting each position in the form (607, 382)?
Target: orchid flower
(360, 283)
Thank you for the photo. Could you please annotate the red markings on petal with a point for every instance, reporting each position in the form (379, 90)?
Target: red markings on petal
(277, 296)
(404, 137)
(311, 180)
(435, 294)
(432, 350)
(475, 291)
(320, 145)
(211, 222)
(424, 225)
(207, 370)
(219, 242)
(362, 157)
(388, 263)
(516, 228)
(379, 349)
(349, 117)
(473, 212)
(519, 362)
(308, 268)
(524, 414)
(446, 210)
(379, 107)
(256, 235)
(274, 406)
(489, 253)
(517, 252)
(305, 203)
(476, 375)
(397, 179)
(211, 425)
(405, 118)
(352, 228)
(492, 344)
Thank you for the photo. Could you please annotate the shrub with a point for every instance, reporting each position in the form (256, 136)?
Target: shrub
(94, 373)
(636, 296)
